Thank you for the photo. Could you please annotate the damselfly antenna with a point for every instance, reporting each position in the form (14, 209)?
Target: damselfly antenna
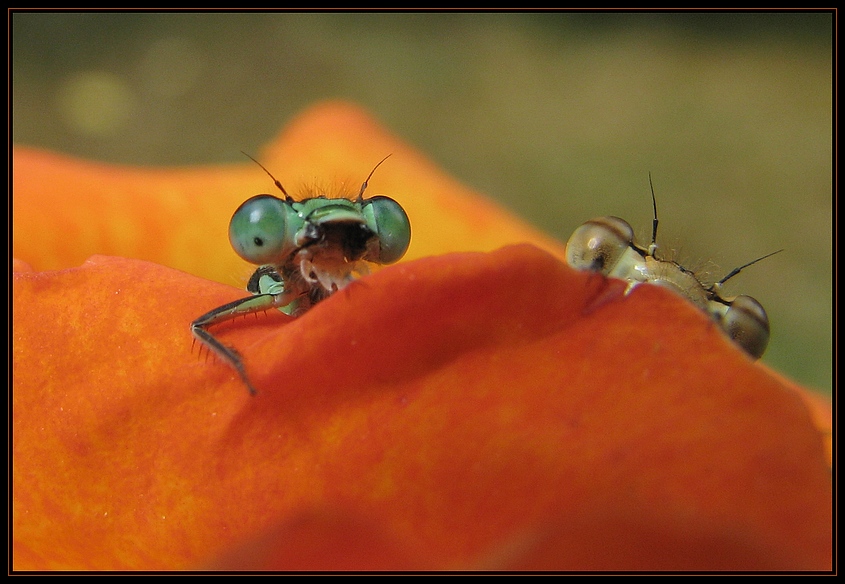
(364, 186)
(653, 247)
(275, 181)
(735, 271)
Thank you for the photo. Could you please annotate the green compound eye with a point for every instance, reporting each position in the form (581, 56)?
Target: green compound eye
(260, 230)
(388, 220)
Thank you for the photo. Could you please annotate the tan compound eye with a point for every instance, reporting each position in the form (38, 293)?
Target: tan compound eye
(747, 324)
(599, 244)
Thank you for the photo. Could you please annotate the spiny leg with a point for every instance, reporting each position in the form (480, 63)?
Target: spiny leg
(228, 354)
(251, 304)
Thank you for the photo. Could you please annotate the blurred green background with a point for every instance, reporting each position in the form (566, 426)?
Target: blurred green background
(559, 116)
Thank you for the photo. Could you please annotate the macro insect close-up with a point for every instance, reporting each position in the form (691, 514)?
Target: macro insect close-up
(413, 333)
(606, 245)
(306, 251)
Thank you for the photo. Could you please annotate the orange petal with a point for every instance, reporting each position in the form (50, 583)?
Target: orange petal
(324, 541)
(467, 405)
(480, 410)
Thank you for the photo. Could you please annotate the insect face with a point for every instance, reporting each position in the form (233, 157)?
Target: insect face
(306, 250)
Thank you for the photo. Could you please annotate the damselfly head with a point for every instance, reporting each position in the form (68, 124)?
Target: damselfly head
(606, 245)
